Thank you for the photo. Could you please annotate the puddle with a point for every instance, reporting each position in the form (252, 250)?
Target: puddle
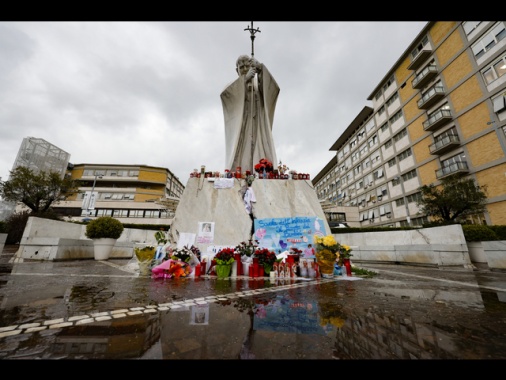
(333, 320)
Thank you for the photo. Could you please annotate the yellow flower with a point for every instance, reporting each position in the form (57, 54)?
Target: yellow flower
(329, 241)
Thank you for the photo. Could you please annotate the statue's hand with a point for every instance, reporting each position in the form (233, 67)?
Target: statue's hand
(251, 73)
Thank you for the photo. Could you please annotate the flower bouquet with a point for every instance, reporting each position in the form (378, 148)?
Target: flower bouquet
(327, 249)
(247, 249)
(171, 269)
(224, 259)
(183, 254)
(264, 166)
(266, 259)
(282, 168)
(145, 256)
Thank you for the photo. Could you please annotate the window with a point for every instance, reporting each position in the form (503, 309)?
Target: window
(396, 181)
(469, 26)
(458, 158)
(399, 202)
(400, 135)
(396, 117)
(404, 154)
(489, 40)
(363, 149)
(414, 198)
(409, 175)
(388, 83)
(388, 144)
(378, 173)
(392, 99)
(370, 125)
(392, 162)
(495, 71)
(499, 103)
(372, 141)
(384, 127)
(381, 110)
(419, 47)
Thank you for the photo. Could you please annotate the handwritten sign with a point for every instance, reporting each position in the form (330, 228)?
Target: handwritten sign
(280, 234)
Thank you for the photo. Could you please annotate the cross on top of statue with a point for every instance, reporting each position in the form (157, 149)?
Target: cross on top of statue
(252, 36)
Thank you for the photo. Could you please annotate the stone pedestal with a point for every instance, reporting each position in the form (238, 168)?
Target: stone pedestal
(275, 198)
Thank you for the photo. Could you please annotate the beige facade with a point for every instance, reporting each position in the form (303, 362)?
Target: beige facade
(135, 194)
(441, 109)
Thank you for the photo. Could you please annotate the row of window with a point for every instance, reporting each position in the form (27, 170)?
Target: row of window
(118, 213)
(110, 173)
(112, 196)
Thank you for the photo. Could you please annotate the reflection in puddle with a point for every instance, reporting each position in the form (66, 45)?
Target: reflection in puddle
(328, 320)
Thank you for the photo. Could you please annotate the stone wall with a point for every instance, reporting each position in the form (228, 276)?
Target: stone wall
(45, 239)
(437, 246)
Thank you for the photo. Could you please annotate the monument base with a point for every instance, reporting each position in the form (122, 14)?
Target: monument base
(275, 198)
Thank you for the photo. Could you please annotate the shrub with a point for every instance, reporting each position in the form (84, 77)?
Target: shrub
(104, 227)
(500, 231)
(475, 232)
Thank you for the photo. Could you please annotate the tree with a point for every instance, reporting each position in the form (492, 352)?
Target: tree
(38, 191)
(456, 197)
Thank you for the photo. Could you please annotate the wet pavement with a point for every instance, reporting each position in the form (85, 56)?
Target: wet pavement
(87, 309)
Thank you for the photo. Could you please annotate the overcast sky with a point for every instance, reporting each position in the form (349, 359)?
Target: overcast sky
(148, 93)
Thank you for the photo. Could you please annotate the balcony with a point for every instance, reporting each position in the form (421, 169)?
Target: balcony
(437, 119)
(444, 145)
(424, 77)
(419, 60)
(431, 97)
(455, 167)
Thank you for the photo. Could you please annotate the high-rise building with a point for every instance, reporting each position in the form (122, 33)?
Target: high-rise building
(440, 110)
(38, 155)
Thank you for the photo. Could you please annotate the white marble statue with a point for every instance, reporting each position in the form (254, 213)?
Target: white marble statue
(248, 107)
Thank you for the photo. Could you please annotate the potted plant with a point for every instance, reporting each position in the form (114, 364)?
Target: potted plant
(104, 231)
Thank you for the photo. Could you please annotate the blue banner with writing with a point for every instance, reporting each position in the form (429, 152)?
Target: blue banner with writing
(280, 234)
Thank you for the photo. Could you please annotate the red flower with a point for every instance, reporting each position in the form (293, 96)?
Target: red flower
(265, 257)
(264, 164)
(225, 255)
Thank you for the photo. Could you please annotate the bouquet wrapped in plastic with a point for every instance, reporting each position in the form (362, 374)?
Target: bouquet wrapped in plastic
(171, 268)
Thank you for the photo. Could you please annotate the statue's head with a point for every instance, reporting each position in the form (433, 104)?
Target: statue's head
(242, 64)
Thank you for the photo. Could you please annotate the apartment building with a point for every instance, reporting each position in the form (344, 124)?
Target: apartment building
(137, 194)
(440, 110)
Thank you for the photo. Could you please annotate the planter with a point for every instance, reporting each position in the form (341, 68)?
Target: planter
(223, 270)
(103, 248)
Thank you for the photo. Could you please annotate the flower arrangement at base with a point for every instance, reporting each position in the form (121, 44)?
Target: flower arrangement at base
(224, 259)
(171, 269)
(264, 166)
(183, 254)
(247, 249)
(225, 256)
(146, 253)
(282, 168)
(327, 249)
(344, 253)
(266, 259)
